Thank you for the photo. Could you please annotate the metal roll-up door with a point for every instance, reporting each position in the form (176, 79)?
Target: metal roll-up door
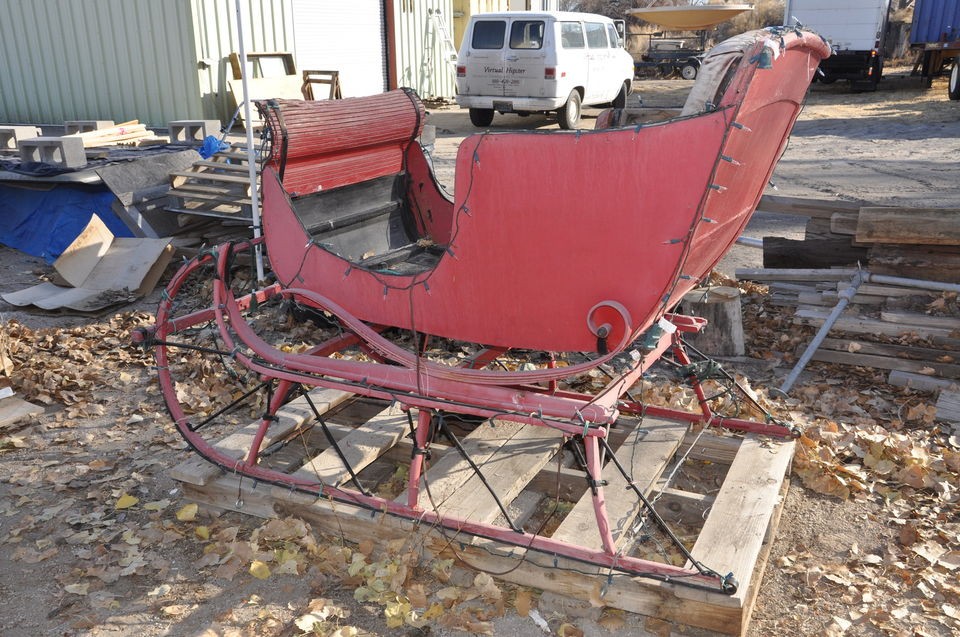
(347, 37)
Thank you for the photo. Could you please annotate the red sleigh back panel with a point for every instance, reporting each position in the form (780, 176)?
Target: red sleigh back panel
(325, 144)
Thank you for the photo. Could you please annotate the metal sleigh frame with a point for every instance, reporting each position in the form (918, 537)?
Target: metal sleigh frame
(390, 372)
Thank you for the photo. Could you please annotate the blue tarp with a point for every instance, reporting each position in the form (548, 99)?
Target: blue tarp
(44, 222)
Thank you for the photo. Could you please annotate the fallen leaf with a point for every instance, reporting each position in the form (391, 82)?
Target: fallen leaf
(188, 512)
(523, 602)
(126, 501)
(259, 569)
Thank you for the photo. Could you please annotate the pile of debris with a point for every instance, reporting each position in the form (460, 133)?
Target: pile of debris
(883, 280)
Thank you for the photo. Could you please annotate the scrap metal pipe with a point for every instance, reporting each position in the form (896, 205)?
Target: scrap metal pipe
(940, 286)
(750, 242)
(841, 305)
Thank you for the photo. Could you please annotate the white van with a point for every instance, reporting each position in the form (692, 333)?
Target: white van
(536, 62)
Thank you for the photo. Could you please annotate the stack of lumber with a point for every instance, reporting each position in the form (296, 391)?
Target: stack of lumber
(216, 187)
(918, 243)
(131, 133)
(911, 331)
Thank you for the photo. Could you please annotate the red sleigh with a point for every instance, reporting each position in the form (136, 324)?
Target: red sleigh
(559, 242)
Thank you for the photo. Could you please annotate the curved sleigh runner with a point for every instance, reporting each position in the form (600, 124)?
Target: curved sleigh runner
(560, 256)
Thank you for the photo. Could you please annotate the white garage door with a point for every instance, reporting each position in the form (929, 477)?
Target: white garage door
(342, 36)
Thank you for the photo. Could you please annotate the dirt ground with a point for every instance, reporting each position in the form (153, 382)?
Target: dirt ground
(76, 558)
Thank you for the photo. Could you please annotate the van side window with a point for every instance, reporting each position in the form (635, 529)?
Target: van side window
(614, 37)
(526, 34)
(489, 34)
(596, 35)
(571, 35)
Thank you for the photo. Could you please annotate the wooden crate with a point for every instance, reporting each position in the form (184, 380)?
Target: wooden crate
(738, 520)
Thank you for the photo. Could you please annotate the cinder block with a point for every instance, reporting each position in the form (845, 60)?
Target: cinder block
(193, 131)
(61, 151)
(10, 135)
(86, 125)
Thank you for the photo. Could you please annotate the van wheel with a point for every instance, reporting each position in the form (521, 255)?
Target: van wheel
(954, 87)
(481, 117)
(620, 101)
(689, 71)
(569, 113)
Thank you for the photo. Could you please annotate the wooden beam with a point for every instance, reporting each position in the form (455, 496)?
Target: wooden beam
(926, 226)
(948, 407)
(823, 208)
(733, 535)
(898, 378)
(929, 368)
(779, 252)
(360, 448)
(795, 274)
(844, 223)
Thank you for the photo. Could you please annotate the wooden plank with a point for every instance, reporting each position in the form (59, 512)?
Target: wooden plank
(844, 223)
(857, 325)
(13, 409)
(929, 368)
(177, 179)
(733, 534)
(919, 381)
(948, 406)
(795, 274)
(290, 417)
(921, 320)
(909, 352)
(645, 457)
(823, 208)
(445, 477)
(223, 165)
(360, 448)
(887, 291)
(507, 472)
(235, 200)
(926, 226)
(779, 252)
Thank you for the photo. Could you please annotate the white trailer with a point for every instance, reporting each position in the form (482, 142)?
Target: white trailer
(855, 29)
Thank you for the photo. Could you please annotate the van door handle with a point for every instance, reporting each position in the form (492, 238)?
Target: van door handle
(512, 58)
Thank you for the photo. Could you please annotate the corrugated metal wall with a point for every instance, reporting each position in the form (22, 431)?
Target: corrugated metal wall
(935, 21)
(96, 59)
(421, 60)
(268, 26)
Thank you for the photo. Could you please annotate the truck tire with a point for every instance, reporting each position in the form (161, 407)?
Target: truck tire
(620, 101)
(569, 114)
(481, 117)
(953, 88)
(689, 71)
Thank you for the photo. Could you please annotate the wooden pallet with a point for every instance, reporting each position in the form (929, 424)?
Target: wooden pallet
(218, 187)
(734, 526)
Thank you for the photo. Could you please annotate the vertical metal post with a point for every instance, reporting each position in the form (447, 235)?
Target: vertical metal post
(251, 154)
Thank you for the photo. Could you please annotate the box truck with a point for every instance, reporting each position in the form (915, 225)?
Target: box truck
(855, 29)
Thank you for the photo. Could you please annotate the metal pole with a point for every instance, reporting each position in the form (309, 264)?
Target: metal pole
(750, 242)
(251, 154)
(845, 297)
(939, 286)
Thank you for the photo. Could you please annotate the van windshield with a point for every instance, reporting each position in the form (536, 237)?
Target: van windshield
(596, 35)
(526, 34)
(571, 35)
(489, 34)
